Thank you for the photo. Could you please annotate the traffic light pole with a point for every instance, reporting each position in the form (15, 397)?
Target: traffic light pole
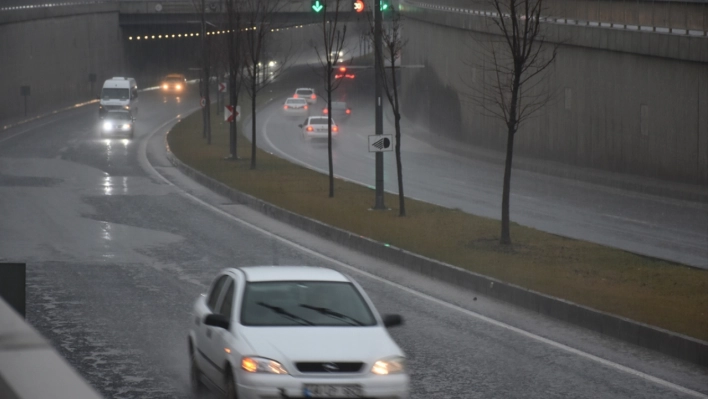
(378, 53)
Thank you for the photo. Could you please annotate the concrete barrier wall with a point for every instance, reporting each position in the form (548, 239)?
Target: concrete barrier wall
(627, 102)
(55, 55)
(30, 368)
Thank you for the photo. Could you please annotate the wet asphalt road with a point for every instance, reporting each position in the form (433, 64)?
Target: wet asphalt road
(116, 257)
(645, 224)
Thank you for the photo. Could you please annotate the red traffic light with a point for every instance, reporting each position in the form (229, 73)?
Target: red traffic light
(359, 5)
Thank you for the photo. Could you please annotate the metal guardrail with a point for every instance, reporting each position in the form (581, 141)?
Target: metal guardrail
(687, 18)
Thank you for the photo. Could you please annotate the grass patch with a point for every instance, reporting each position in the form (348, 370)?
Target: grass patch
(656, 292)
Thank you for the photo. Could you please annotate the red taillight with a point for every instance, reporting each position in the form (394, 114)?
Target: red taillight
(325, 111)
(335, 128)
(305, 106)
(285, 107)
(309, 128)
(349, 111)
(313, 97)
(295, 96)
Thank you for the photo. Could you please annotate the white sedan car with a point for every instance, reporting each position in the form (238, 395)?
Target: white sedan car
(293, 332)
(306, 93)
(315, 127)
(296, 107)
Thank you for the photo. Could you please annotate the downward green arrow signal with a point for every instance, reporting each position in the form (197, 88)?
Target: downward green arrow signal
(317, 6)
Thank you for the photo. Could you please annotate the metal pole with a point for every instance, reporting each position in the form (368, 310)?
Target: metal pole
(378, 53)
(25, 105)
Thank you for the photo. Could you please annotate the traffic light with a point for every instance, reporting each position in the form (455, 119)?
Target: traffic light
(359, 5)
(385, 5)
(318, 5)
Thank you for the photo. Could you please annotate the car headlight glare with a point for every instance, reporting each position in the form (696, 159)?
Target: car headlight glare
(164, 87)
(127, 107)
(395, 365)
(107, 125)
(179, 87)
(126, 126)
(261, 365)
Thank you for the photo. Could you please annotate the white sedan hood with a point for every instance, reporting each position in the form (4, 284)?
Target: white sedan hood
(296, 344)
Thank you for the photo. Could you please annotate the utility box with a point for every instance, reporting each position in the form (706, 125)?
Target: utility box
(13, 279)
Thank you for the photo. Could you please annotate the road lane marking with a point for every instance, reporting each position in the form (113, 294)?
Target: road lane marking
(440, 302)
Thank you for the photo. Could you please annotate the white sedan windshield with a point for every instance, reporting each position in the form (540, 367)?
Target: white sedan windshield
(304, 303)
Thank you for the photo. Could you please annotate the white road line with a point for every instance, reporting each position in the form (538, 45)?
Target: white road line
(411, 291)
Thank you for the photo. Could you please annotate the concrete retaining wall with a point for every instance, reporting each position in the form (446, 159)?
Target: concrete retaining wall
(54, 52)
(654, 338)
(627, 102)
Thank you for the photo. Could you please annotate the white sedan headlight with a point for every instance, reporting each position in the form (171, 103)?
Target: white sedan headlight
(107, 126)
(262, 365)
(394, 365)
(126, 126)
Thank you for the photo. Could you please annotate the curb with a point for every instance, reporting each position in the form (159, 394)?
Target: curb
(654, 338)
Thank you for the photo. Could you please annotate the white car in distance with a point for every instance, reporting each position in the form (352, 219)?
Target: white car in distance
(306, 93)
(315, 127)
(293, 332)
(296, 107)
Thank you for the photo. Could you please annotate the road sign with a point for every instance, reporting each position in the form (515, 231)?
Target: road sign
(380, 142)
(318, 5)
(202, 102)
(359, 5)
(222, 87)
(237, 113)
(229, 113)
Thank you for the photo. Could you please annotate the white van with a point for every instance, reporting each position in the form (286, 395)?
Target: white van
(119, 93)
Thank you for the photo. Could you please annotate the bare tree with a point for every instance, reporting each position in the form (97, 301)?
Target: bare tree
(201, 8)
(333, 35)
(512, 88)
(233, 16)
(258, 17)
(392, 45)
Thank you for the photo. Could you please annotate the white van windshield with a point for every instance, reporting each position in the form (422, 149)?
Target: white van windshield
(115, 94)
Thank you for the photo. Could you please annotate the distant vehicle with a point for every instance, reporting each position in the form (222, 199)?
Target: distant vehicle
(174, 83)
(306, 93)
(117, 122)
(339, 110)
(315, 127)
(119, 93)
(337, 58)
(293, 332)
(296, 107)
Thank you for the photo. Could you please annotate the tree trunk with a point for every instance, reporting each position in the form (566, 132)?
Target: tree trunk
(254, 86)
(397, 118)
(505, 233)
(233, 137)
(399, 167)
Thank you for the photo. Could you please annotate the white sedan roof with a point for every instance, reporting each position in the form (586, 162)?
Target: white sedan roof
(291, 273)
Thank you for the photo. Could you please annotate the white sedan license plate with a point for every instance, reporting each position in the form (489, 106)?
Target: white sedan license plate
(332, 391)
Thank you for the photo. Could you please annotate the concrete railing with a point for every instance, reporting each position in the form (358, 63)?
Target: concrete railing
(30, 368)
(685, 17)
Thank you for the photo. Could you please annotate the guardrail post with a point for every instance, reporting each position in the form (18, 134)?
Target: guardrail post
(12, 285)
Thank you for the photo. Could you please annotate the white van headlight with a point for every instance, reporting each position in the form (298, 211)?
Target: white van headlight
(107, 126)
(126, 126)
(392, 365)
(127, 107)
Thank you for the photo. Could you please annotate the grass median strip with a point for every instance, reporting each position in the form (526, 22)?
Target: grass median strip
(656, 292)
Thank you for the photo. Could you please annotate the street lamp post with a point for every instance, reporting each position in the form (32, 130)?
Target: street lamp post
(378, 60)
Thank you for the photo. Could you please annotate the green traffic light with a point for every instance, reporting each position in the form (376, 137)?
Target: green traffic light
(384, 5)
(317, 6)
